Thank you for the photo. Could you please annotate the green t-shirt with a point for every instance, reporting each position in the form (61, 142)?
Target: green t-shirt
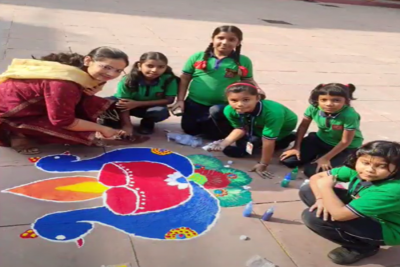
(379, 201)
(270, 120)
(148, 92)
(332, 132)
(208, 87)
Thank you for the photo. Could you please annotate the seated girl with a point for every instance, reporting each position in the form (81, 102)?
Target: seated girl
(145, 93)
(367, 215)
(205, 77)
(51, 100)
(338, 135)
(258, 124)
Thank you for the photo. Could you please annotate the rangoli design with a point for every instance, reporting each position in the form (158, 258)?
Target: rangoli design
(146, 192)
(223, 182)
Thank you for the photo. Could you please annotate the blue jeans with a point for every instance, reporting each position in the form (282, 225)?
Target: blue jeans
(209, 121)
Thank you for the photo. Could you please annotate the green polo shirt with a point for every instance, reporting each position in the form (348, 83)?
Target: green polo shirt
(208, 87)
(346, 119)
(379, 201)
(270, 120)
(148, 92)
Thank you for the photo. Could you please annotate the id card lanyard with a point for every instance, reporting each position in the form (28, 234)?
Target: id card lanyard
(251, 126)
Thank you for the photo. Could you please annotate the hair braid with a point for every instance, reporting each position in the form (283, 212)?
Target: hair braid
(207, 52)
(237, 55)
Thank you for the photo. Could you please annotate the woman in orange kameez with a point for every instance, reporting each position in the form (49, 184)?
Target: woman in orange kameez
(59, 108)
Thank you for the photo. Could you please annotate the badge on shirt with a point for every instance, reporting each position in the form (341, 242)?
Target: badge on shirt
(337, 127)
(230, 73)
(249, 148)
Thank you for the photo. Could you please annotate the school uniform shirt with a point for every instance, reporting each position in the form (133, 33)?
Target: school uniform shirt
(270, 120)
(208, 87)
(148, 92)
(331, 126)
(378, 200)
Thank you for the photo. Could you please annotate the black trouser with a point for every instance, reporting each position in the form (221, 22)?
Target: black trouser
(205, 120)
(149, 115)
(361, 234)
(312, 148)
(239, 151)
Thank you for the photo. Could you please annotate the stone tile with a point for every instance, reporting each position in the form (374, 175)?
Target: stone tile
(103, 247)
(368, 112)
(36, 44)
(30, 32)
(8, 157)
(207, 251)
(387, 109)
(286, 226)
(380, 130)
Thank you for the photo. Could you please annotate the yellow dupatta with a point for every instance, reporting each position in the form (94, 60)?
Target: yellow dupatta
(47, 70)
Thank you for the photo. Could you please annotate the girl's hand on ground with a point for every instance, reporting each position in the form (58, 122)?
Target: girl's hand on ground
(126, 104)
(319, 206)
(261, 170)
(289, 153)
(323, 164)
(180, 104)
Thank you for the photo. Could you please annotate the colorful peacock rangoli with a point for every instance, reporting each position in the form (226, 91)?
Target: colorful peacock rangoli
(145, 192)
(225, 183)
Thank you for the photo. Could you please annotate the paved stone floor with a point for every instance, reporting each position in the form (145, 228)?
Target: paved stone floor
(348, 44)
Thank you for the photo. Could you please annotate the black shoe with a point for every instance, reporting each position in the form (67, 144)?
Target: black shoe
(345, 256)
(146, 127)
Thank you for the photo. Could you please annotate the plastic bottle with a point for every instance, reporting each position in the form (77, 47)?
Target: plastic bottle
(248, 209)
(288, 176)
(285, 183)
(268, 214)
(294, 173)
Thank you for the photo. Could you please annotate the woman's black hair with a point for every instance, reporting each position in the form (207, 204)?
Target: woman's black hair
(226, 28)
(135, 75)
(332, 89)
(388, 150)
(240, 87)
(77, 60)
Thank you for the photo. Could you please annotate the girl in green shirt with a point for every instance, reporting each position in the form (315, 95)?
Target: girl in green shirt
(145, 93)
(338, 130)
(205, 76)
(367, 215)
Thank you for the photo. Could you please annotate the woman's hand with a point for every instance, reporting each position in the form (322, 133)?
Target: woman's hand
(323, 164)
(126, 104)
(289, 153)
(93, 91)
(319, 206)
(180, 104)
